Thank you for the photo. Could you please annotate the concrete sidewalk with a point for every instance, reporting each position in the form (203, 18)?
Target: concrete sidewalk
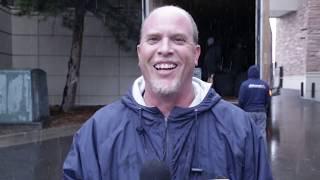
(294, 148)
(34, 135)
(32, 153)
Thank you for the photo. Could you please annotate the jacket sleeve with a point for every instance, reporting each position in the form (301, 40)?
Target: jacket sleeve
(72, 164)
(257, 165)
(82, 161)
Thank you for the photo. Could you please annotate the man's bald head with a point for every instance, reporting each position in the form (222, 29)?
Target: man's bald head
(165, 9)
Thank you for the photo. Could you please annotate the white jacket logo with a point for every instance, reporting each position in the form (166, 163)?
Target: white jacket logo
(258, 86)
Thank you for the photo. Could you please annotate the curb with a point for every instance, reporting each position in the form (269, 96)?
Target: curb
(35, 136)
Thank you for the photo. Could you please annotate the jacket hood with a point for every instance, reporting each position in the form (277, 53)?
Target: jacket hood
(205, 98)
(253, 72)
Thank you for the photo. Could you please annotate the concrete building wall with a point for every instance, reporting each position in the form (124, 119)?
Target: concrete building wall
(5, 38)
(106, 69)
(281, 7)
(291, 42)
(313, 50)
(298, 48)
(291, 46)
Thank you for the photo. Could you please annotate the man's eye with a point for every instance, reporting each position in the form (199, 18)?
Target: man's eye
(179, 40)
(152, 40)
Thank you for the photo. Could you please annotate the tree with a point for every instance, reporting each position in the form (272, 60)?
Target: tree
(122, 24)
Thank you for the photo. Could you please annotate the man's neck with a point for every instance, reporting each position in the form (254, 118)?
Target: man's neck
(165, 103)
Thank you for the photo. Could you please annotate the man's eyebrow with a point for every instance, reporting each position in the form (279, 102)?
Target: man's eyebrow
(185, 37)
(180, 35)
(173, 35)
(152, 34)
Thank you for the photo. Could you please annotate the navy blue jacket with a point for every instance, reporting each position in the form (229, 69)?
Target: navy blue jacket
(215, 136)
(254, 93)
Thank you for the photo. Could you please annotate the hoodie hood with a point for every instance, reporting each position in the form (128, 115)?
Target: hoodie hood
(205, 98)
(201, 89)
(253, 72)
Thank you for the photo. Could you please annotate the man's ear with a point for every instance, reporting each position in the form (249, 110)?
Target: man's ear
(197, 54)
(138, 51)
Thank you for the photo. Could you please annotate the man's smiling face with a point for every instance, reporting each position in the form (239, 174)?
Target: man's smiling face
(167, 52)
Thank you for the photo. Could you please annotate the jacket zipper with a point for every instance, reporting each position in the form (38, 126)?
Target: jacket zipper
(166, 143)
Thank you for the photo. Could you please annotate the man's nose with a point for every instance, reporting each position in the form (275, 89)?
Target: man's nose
(165, 47)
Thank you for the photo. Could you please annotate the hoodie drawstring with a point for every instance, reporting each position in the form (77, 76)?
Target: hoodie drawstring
(140, 128)
(141, 131)
(144, 136)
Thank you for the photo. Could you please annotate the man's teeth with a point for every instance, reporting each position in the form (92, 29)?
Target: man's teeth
(165, 66)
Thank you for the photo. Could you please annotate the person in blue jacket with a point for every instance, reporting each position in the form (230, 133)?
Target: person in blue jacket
(254, 98)
(168, 116)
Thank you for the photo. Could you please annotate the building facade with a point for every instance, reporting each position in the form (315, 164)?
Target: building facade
(298, 48)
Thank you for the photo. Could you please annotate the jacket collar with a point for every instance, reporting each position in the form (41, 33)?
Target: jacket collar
(201, 89)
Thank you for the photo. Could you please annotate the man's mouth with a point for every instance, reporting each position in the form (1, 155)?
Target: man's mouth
(165, 66)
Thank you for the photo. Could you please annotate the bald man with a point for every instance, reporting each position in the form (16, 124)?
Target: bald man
(168, 116)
